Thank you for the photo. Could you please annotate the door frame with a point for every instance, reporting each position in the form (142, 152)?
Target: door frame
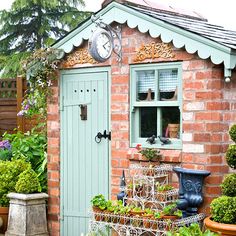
(86, 70)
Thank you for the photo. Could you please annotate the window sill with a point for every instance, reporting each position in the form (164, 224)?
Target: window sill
(172, 146)
(168, 156)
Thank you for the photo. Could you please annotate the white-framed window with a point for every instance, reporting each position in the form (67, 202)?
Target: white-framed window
(155, 104)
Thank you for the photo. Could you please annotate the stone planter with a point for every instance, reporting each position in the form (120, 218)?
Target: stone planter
(27, 215)
(224, 229)
(190, 189)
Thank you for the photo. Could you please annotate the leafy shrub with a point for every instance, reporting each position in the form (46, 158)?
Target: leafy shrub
(28, 182)
(5, 154)
(223, 210)
(229, 185)
(191, 230)
(231, 156)
(31, 147)
(5, 150)
(10, 171)
(232, 133)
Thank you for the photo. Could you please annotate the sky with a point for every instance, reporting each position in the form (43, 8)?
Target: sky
(216, 11)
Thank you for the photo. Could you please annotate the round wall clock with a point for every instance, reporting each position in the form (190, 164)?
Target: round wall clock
(100, 45)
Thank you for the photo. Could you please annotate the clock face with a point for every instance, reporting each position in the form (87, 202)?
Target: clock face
(100, 45)
(104, 45)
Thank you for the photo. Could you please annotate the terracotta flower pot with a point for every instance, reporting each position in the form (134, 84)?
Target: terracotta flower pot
(4, 211)
(146, 221)
(224, 229)
(169, 217)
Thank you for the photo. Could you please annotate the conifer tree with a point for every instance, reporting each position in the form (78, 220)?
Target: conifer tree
(34, 24)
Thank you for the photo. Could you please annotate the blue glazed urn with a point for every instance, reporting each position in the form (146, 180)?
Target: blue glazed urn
(190, 189)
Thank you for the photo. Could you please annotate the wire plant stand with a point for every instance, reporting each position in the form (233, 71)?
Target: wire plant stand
(135, 226)
(141, 191)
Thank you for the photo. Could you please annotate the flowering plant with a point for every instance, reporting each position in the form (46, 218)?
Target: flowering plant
(150, 153)
(5, 150)
(40, 71)
(5, 144)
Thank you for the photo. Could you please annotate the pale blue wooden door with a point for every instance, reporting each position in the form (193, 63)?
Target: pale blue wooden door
(84, 162)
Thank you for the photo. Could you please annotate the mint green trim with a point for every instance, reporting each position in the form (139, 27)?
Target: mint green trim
(134, 105)
(193, 43)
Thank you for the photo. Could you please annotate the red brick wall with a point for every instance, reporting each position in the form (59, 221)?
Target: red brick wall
(208, 111)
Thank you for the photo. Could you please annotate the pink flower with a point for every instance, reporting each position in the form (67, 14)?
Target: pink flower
(138, 147)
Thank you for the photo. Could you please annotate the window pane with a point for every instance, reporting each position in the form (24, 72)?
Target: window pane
(170, 122)
(168, 84)
(148, 121)
(145, 85)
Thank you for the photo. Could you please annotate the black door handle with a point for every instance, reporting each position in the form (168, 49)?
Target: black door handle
(99, 136)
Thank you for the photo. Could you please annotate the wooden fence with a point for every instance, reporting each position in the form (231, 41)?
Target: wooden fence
(11, 96)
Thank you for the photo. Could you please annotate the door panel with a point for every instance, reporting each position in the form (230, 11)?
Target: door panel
(84, 163)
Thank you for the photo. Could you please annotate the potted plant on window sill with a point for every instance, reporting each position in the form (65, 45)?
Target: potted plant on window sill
(150, 154)
(223, 208)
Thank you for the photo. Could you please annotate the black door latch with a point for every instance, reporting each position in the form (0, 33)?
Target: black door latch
(99, 136)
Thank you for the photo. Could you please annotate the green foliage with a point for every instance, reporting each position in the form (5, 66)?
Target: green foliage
(172, 209)
(28, 182)
(31, 147)
(39, 67)
(164, 187)
(231, 156)
(34, 24)
(151, 153)
(223, 210)
(5, 154)
(232, 133)
(10, 171)
(99, 201)
(229, 185)
(192, 230)
(11, 64)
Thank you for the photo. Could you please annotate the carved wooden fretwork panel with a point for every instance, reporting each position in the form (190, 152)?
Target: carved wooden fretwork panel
(80, 56)
(154, 50)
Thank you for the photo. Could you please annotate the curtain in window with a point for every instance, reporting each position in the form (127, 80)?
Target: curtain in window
(168, 80)
(145, 80)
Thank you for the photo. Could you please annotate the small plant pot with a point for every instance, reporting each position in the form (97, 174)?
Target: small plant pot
(136, 221)
(137, 214)
(96, 209)
(4, 211)
(146, 221)
(161, 196)
(98, 217)
(115, 218)
(124, 220)
(169, 217)
(130, 193)
(107, 216)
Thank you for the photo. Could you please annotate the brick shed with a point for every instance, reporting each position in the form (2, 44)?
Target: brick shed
(175, 68)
